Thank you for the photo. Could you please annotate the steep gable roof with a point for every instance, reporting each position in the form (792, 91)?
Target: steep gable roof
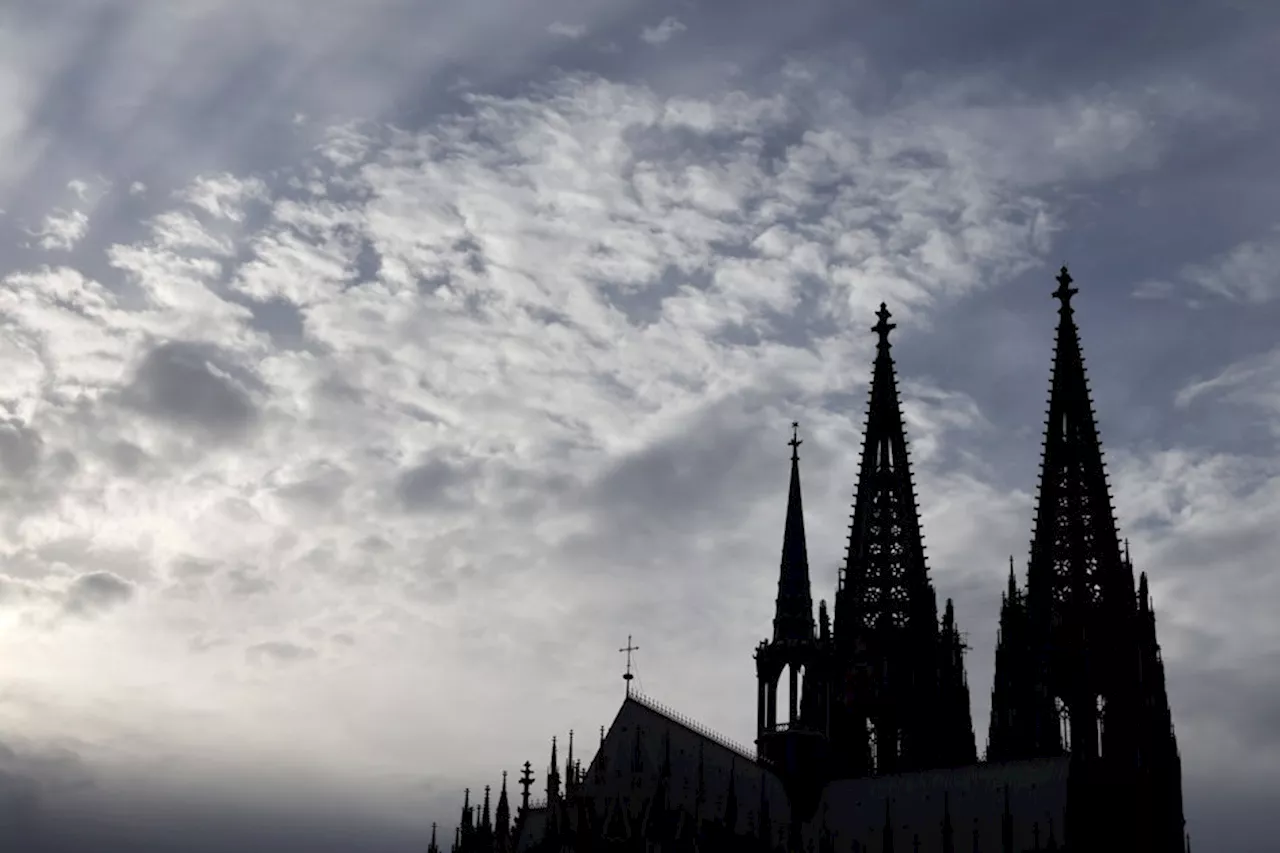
(644, 724)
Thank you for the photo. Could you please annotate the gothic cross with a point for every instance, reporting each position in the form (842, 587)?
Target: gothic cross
(884, 327)
(1065, 291)
(627, 676)
(795, 441)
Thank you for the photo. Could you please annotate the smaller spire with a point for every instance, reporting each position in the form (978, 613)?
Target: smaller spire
(884, 327)
(1065, 291)
(484, 813)
(502, 829)
(434, 848)
(793, 615)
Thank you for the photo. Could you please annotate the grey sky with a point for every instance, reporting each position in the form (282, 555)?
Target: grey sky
(371, 370)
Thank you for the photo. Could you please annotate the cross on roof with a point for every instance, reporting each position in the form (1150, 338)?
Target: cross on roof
(795, 441)
(884, 327)
(627, 676)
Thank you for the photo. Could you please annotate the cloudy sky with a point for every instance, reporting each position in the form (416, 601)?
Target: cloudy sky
(370, 370)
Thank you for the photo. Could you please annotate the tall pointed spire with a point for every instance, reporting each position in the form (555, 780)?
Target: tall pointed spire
(433, 847)
(886, 615)
(793, 619)
(1079, 674)
(1077, 584)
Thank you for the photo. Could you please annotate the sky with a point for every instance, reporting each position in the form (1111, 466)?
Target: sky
(372, 370)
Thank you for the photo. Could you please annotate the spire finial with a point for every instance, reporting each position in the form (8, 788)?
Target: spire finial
(628, 648)
(884, 327)
(795, 441)
(1065, 291)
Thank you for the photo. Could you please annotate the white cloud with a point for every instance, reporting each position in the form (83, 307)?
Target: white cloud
(62, 229)
(661, 33)
(569, 31)
(1248, 273)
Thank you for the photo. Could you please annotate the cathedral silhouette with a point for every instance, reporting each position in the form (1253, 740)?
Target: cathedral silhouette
(877, 751)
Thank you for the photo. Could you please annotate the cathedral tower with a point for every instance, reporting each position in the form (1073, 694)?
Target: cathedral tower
(1078, 668)
(891, 653)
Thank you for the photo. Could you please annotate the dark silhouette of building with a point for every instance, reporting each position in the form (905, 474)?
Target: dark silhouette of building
(876, 752)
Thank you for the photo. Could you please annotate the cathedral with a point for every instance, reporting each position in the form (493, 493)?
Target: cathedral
(875, 750)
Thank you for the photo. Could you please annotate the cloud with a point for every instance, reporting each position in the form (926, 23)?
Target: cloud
(97, 591)
(569, 31)
(62, 230)
(279, 652)
(661, 33)
(193, 386)
(1246, 274)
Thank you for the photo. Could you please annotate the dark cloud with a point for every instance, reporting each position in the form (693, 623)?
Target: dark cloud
(20, 448)
(700, 469)
(245, 583)
(194, 386)
(321, 488)
(97, 592)
(433, 484)
(128, 459)
(278, 651)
